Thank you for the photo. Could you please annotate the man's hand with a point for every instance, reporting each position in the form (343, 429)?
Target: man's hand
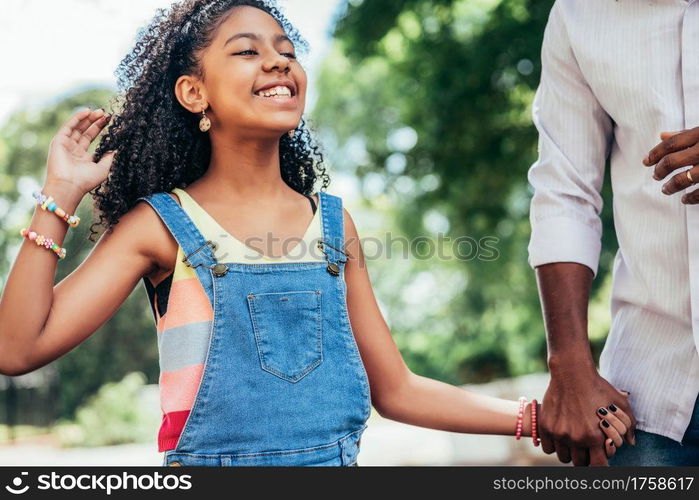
(568, 423)
(677, 149)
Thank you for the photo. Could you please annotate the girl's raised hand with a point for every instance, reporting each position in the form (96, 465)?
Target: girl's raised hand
(614, 423)
(68, 160)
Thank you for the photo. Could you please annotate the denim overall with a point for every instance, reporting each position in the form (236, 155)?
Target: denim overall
(283, 382)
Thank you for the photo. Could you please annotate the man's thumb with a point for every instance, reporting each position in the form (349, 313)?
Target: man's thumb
(666, 135)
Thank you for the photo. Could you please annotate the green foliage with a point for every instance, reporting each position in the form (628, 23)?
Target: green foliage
(462, 75)
(126, 342)
(112, 416)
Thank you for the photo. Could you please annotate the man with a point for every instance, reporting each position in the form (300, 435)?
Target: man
(615, 74)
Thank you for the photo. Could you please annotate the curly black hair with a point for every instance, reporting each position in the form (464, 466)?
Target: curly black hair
(157, 143)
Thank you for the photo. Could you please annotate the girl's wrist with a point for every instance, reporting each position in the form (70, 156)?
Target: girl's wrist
(65, 194)
(528, 417)
(527, 420)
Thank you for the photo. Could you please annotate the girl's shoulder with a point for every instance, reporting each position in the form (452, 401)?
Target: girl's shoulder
(160, 246)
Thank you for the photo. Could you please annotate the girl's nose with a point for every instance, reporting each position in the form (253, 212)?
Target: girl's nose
(278, 62)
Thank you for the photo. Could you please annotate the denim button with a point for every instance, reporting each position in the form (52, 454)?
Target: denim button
(220, 270)
(175, 464)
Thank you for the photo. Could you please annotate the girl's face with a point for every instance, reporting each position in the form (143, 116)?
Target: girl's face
(251, 56)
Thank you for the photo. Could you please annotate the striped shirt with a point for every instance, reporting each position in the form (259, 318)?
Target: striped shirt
(183, 314)
(614, 75)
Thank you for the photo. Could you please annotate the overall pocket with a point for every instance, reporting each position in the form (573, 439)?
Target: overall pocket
(288, 332)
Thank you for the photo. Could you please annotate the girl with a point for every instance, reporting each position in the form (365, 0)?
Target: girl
(266, 358)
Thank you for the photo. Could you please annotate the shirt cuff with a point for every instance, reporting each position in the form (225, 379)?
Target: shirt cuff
(563, 239)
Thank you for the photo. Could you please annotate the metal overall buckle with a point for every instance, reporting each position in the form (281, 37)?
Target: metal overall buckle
(333, 268)
(218, 269)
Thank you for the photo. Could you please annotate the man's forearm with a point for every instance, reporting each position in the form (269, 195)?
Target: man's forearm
(564, 290)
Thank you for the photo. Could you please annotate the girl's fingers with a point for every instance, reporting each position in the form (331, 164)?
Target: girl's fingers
(67, 129)
(84, 124)
(621, 415)
(611, 418)
(92, 131)
(609, 447)
(611, 432)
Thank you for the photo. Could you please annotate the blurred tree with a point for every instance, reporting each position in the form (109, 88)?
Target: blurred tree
(428, 102)
(126, 342)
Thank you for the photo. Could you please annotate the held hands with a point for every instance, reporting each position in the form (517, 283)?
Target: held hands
(567, 427)
(614, 423)
(69, 163)
(677, 149)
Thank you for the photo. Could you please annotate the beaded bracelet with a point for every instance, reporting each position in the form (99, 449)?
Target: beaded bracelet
(48, 203)
(535, 434)
(42, 240)
(520, 417)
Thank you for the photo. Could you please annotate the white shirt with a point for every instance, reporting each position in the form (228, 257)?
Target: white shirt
(614, 75)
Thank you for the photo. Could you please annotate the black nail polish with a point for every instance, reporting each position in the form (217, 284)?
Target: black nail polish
(602, 411)
(612, 407)
(605, 423)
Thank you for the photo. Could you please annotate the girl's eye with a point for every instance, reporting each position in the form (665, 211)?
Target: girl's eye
(250, 51)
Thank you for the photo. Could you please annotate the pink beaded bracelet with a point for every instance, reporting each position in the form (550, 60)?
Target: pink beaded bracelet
(42, 240)
(520, 417)
(47, 203)
(535, 434)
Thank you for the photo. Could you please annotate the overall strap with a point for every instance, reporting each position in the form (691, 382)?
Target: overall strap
(333, 227)
(198, 254)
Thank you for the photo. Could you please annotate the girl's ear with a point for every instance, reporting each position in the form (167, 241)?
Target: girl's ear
(189, 94)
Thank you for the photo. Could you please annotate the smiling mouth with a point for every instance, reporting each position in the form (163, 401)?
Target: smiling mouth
(276, 97)
(279, 99)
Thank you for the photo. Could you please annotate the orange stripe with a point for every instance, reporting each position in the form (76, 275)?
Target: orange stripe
(178, 388)
(187, 303)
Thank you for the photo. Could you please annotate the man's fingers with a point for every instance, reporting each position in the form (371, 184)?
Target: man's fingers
(547, 444)
(665, 135)
(681, 181)
(691, 198)
(673, 161)
(598, 457)
(563, 452)
(674, 142)
(580, 456)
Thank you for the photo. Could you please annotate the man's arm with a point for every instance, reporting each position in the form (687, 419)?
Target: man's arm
(574, 137)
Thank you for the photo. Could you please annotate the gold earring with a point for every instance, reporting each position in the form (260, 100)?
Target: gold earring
(204, 123)
(290, 133)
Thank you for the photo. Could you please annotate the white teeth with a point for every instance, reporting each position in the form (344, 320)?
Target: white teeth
(276, 91)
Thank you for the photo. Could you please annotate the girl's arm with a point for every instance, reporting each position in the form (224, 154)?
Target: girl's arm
(39, 321)
(399, 394)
